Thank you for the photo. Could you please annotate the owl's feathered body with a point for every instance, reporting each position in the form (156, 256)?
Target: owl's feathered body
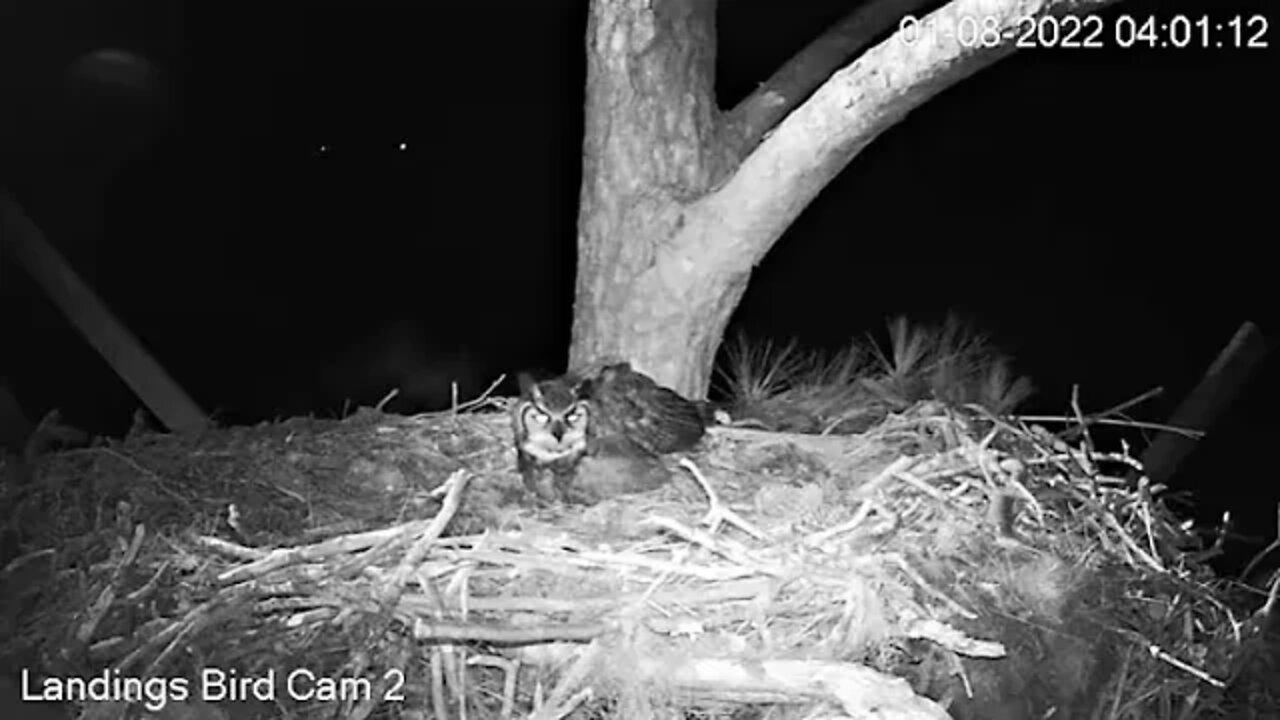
(616, 413)
(631, 409)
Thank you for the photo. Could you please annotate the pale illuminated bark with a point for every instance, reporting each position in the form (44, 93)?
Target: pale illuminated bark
(681, 200)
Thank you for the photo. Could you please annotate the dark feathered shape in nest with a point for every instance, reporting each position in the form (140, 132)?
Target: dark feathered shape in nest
(630, 409)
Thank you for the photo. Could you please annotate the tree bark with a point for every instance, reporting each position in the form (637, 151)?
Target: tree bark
(675, 214)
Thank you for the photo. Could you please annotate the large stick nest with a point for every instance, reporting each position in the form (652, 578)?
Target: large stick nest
(942, 564)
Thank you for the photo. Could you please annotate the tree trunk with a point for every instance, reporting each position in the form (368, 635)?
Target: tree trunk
(680, 201)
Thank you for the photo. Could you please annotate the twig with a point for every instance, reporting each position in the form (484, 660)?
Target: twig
(1144, 512)
(1137, 424)
(1083, 426)
(511, 672)
(1127, 540)
(923, 487)
(437, 686)
(340, 545)
(719, 512)
(230, 549)
(30, 557)
(1269, 610)
(459, 632)
(567, 708)
(1156, 652)
(1141, 398)
(895, 467)
(722, 548)
(820, 538)
(386, 399)
(1219, 541)
(483, 397)
(1258, 559)
(559, 705)
(1101, 417)
(107, 596)
(456, 483)
(445, 653)
(912, 573)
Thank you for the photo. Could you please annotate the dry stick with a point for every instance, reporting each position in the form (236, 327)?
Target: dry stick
(1269, 610)
(107, 596)
(1138, 424)
(137, 596)
(396, 582)
(49, 553)
(718, 512)
(559, 705)
(1141, 398)
(456, 633)
(442, 653)
(1102, 417)
(386, 399)
(600, 559)
(923, 487)
(175, 637)
(892, 470)
(820, 538)
(1160, 654)
(457, 482)
(1144, 512)
(230, 549)
(911, 572)
(437, 687)
(511, 670)
(343, 544)
(1084, 428)
(479, 399)
(1132, 545)
(1259, 558)
(566, 708)
(726, 550)
(1219, 541)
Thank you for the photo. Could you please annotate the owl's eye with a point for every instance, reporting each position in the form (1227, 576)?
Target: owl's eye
(577, 415)
(534, 416)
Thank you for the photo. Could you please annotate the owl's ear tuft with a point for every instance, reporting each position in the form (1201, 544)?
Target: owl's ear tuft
(525, 380)
(528, 387)
(585, 388)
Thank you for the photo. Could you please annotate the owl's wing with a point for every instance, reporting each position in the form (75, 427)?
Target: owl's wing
(656, 418)
(677, 422)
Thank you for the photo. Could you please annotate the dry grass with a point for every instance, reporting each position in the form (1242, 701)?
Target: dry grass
(757, 371)
(785, 388)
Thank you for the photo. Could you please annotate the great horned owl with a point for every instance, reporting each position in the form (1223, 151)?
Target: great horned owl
(612, 415)
(551, 422)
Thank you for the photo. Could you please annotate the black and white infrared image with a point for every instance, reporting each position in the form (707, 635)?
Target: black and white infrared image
(639, 360)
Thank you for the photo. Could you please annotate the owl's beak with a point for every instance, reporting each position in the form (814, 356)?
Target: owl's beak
(557, 429)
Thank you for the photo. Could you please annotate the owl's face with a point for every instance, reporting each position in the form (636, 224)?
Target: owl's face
(552, 423)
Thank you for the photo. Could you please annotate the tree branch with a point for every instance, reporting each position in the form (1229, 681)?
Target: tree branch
(733, 228)
(745, 124)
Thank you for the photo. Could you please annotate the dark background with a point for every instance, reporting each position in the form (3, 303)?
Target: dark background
(246, 209)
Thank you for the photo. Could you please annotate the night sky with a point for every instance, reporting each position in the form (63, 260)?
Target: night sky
(294, 176)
